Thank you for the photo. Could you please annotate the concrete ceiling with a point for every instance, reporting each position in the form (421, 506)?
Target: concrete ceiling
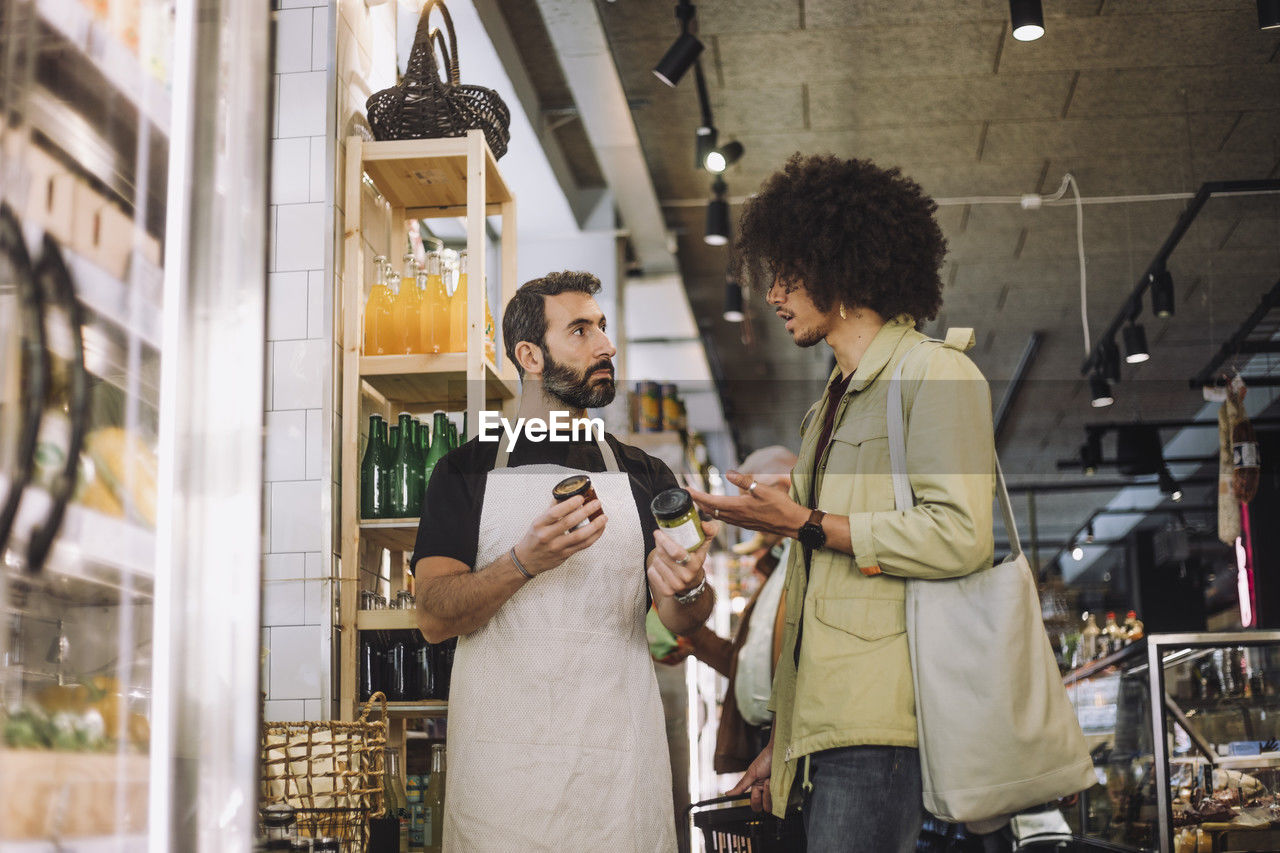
(1132, 97)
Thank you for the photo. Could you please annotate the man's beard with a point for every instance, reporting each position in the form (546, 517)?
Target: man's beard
(811, 336)
(576, 390)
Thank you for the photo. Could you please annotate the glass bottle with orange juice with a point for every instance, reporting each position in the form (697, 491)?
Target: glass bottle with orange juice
(490, 332)
(458, 308)
(407, 307)
(377, 312)
(434, 317)
(397, 339)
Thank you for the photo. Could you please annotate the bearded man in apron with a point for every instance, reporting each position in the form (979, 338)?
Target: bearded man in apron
(556, 735)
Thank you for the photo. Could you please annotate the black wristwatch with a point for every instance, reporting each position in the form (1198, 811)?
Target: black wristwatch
(811, 535)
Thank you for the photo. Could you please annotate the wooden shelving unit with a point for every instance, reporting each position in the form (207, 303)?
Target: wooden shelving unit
(416, 179)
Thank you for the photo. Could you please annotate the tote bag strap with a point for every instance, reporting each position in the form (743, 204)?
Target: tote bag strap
(902, 494)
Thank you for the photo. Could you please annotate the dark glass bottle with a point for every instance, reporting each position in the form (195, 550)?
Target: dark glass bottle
(402, 477)
(439, 442)
(374, 488)
(423, 669)
(443, 659)
(395, 670)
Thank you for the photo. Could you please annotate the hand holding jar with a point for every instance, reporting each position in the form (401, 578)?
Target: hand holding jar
(681, 542)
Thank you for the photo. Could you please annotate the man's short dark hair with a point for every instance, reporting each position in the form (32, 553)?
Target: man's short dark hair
(851, 232)
(525, 317)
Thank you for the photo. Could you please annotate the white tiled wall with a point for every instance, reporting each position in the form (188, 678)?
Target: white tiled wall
(298, 567)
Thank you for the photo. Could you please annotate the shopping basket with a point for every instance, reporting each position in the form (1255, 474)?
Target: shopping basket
(730, 828)
(329, 771)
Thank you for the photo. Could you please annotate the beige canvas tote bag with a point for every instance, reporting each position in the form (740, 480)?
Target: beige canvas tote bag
(997, 732)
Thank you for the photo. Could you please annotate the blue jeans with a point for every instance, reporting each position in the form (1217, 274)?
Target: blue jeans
(865, 799)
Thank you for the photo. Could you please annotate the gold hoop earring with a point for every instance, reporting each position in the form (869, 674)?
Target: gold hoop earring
(842, 314)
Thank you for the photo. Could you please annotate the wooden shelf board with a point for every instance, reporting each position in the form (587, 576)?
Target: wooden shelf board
(386, 620)
(394, 534)
(419, 173)
(430, 379)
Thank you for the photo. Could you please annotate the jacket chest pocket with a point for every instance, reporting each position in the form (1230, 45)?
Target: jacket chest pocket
(857, 465)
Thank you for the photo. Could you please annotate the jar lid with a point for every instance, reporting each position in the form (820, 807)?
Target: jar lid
(570, 487)
(322, 844)
(279, 844)
(278, 814)
(671, 504)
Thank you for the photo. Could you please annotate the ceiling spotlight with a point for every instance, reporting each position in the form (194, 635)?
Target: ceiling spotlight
(680, 57)
(1088, 536)
(717, 233)
(1100, 391)
(705, 143)
(1091, 453)
(1268, 14)
(1027, 18)
(1077, 553)
(723, 157)
(1168, 485)
(1162, 292)
(1135, 344)
(733, 301)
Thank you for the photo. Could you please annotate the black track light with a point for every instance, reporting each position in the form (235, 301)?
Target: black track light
(723, 157)
(718, 215)
(1161, 284)
(1100, 391)
(1135, 344)
(705, 143)
(1109, 360)
(1168, 485)
(680, 57)
(1088, 536)
(733, 301)
(1027, 19)
(1091, 453)
(1268, 14)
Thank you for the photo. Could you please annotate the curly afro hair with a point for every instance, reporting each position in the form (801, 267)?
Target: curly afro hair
(849, 232)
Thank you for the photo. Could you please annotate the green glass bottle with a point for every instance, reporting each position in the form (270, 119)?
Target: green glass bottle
(402, 478)
(462, 439)
(453, 435)
(439, 441)
(417, 462)
(374, 487)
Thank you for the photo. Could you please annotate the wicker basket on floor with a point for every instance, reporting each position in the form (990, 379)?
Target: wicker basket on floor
(330, 772)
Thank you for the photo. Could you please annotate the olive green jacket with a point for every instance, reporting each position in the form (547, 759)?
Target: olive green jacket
(853, 685)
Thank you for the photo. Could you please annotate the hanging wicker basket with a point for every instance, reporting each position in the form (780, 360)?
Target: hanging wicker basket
(422, 106)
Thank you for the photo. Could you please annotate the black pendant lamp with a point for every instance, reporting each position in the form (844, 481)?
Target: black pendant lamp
(1135, 344)
(733, 307)
(717, 233)
(1268, 14)
(1100, 391)
(1161, 284)
(1027, 19)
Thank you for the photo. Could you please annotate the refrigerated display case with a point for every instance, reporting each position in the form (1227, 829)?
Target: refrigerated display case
(1185, 734)
(132, 262)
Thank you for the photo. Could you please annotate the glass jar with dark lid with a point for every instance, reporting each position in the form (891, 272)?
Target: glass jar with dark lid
(676, 514)
(280, 822)
(578, 484)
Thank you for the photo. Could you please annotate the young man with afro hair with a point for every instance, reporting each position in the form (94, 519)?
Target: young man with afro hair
(848, 253)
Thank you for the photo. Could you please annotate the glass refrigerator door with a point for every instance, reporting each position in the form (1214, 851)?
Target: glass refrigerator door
(132, 150)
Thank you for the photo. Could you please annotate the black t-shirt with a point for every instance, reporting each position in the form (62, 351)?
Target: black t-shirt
(450, 522)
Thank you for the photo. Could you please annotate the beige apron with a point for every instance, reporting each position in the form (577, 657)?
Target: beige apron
(556, 736)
